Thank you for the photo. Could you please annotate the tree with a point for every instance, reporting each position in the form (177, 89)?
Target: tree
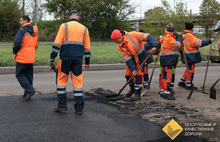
(160, 16)
(100, 16)
(9, 19)
(31, 10)
(209, 10)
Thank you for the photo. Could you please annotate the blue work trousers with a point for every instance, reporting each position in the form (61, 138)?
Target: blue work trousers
(24, 75)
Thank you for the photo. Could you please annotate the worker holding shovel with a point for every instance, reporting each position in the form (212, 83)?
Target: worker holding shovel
(191, 47)
(131, 48)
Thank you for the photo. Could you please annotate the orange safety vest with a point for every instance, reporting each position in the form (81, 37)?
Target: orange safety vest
(191, 47)
(72, 41)
(169, 46)
(26, 54)
(132, 45)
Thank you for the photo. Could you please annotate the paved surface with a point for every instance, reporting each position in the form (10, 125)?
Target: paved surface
(34, 120)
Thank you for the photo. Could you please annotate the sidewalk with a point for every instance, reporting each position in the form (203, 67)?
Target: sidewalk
(96, 67)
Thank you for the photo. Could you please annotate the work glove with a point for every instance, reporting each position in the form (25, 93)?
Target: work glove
(52, 65)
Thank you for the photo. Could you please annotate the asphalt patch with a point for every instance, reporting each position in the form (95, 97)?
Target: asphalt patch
(106, 94)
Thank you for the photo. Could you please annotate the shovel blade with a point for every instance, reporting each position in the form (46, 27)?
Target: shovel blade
(213, 93)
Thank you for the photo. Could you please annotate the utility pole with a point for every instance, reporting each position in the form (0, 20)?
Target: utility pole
(35, 12)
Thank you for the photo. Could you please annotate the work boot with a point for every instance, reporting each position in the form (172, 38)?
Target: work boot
(190, 87)
(131, 91)
(137, 95)
(58, 109)
(79, 112)
(182, 84)
(169, 97)
(145, 84)
(172, 91)
(28, 96)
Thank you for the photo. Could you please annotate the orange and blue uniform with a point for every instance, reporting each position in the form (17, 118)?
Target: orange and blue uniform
(26, 42)
(191, 46)
(72, 42)
(168, 59)
(134, 53)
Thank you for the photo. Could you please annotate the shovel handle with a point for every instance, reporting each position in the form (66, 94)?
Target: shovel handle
(184, 56)
(155, 61)
(133, 75)
(215, 83)
(213, 33)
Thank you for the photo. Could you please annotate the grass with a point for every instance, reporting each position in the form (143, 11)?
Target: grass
(101, 54)
(205, 51)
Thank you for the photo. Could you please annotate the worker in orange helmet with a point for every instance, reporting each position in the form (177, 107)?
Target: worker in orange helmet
(131, 48)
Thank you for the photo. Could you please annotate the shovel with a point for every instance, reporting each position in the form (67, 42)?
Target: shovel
(213, 90)
(184, 56)
(155, 62)
(114, 95)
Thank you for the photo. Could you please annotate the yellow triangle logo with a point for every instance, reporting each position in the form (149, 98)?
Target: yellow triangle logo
(172, 129)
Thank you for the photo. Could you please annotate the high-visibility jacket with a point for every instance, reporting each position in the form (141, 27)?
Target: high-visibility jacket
(191, 47)
(72, 41)
(132, 49)
(26, 42)
(169, 47)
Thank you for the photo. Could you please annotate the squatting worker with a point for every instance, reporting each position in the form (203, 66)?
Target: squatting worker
(168, 59)
(191, 47)
(26, 42)
(131, 48)
(72, 41)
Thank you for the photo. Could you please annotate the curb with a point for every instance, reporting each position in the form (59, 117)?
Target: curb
(96, 67)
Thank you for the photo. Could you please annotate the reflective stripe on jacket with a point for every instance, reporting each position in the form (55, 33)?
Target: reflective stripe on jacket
(26, 42)
(72, 41)
(132, 48)
(169, 47)
(191, 47)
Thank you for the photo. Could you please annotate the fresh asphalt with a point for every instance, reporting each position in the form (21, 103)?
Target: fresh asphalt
(35, 121)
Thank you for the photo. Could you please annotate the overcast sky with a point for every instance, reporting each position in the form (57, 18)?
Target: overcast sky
(144, 5)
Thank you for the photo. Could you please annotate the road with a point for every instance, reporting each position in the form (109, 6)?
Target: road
(34, 120)
(113, 80)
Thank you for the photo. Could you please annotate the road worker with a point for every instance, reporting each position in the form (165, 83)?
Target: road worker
(26, 42)
(150, 60)
(168, 59)
(72, 41)
(173, 71)
(191, 47)
(131, 48)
